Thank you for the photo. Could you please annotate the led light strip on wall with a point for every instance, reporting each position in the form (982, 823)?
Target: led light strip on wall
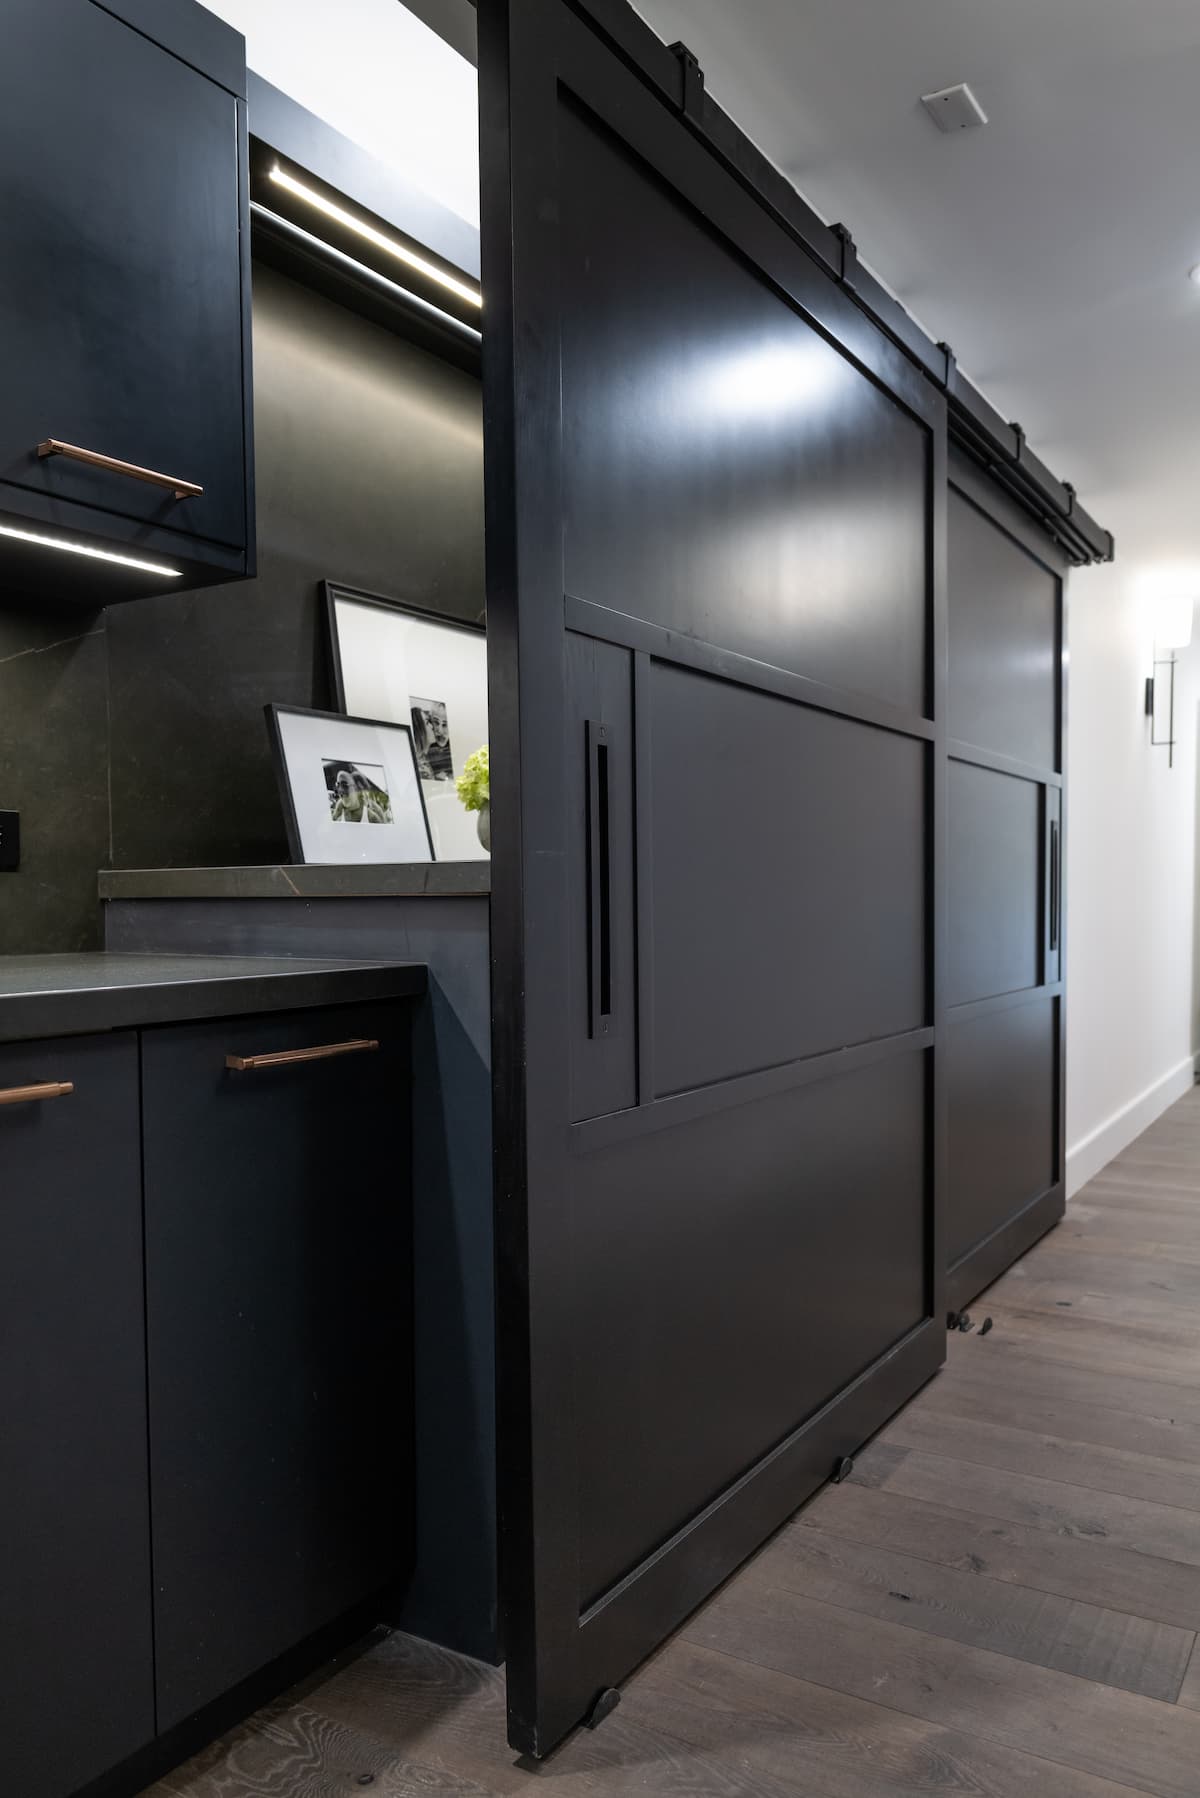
(370, 235)
(85, 549)
(414, 301)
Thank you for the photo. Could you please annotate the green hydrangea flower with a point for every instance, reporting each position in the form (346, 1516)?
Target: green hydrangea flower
(473, 784)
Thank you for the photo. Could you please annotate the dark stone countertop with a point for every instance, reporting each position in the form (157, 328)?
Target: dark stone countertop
(69, 995)
(441, 880)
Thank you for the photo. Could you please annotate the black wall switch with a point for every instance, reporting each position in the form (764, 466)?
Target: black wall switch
(10, 842)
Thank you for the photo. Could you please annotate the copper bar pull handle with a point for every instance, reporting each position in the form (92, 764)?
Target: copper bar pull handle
(284, 1058)
(27, 1095)
(54, 446)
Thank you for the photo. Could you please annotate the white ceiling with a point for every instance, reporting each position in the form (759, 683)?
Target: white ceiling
(1050, 248)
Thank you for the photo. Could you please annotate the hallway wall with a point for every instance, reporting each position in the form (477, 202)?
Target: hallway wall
(1131, 873)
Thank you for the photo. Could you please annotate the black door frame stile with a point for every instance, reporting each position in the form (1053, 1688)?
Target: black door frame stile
(564, 1645)
(1031, 1213)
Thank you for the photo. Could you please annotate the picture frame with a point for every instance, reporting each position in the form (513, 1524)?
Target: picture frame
(350, 788)
(392, 659)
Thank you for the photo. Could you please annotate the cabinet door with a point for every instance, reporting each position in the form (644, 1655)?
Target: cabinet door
(121, 285)
(278, 1290)
(76, 1676)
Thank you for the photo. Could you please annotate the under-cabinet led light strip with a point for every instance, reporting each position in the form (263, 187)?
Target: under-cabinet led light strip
(368, 232)
(325, 248)
(85, 549)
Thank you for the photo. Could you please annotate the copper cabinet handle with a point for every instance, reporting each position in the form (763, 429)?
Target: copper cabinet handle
(54, 446)
(282, 1058)
(45, 1089)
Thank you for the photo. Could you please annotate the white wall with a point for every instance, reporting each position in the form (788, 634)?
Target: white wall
(1131, 872)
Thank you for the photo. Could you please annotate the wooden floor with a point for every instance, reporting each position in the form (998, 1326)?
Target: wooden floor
(1002, 1603)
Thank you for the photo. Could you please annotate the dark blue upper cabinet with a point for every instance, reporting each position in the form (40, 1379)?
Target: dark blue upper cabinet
(124, 300)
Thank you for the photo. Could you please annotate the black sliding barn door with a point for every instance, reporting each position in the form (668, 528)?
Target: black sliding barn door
(1005, 966)
(715, 511)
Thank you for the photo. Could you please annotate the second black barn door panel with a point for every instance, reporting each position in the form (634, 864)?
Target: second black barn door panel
(1004, 787)
(715, 641)
(1003, 1150)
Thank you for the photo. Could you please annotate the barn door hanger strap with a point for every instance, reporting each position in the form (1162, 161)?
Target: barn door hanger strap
(691, 98)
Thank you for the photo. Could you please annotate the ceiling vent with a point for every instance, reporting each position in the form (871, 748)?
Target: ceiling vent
(954, 108)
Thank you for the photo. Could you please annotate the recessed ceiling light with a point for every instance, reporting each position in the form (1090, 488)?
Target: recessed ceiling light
(1194, 274)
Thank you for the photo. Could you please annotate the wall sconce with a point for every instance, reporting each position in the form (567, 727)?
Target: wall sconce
(1172, 614)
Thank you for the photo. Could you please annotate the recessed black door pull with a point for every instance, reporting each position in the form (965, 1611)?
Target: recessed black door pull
(599, 860)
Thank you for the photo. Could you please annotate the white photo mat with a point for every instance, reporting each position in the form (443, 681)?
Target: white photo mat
(350, 788)
(392, 661)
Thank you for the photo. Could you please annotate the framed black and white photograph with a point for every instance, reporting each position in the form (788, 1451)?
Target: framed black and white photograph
(393, 660)
(350, 788)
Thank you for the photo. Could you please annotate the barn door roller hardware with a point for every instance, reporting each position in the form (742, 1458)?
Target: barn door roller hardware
(692, 98)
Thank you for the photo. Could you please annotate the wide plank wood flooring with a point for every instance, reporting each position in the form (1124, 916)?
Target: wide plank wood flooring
(1003, 1601)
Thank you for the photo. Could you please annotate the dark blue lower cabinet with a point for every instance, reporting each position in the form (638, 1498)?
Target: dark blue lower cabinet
(278, 1289)
(76, 1664)
(205, 1368)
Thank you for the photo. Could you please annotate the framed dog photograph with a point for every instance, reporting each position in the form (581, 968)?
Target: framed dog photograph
(350, 788)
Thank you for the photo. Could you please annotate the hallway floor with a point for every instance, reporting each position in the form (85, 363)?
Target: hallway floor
(1002, 1602)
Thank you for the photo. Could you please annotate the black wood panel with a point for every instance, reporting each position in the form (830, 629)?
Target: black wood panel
(1013, 1237)
(600, 750)
(1004, 1150)
(636, 466)
(1004, 639)
(121, 294)
(727, 472)
(995, 882)
(76, 1673)
(787, 881)
(730, 1245)
(278, 1220)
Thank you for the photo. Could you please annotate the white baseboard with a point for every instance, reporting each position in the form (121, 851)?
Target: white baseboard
(1086, 1158)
